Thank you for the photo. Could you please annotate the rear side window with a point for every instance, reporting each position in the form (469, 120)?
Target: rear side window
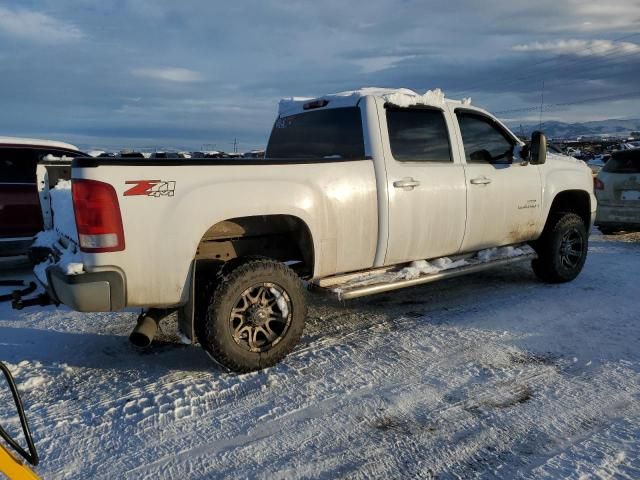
(17, 165)
(331, 133)
(624, 162)
(418, 135)
(484, 141)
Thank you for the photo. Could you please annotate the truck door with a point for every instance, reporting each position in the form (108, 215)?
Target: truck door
(425, 184)
(503, 194)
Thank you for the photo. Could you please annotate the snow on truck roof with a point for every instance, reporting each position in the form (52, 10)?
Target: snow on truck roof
(36, 142)
(402, 97)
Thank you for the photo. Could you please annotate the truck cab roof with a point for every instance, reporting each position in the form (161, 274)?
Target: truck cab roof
(402, 97)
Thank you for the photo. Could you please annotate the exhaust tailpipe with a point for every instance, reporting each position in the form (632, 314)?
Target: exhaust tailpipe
(147, 327)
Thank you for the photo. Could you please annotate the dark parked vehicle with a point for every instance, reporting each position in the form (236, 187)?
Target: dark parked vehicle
(20, 212)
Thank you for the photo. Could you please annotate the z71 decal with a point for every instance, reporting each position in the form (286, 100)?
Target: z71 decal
(150, 188)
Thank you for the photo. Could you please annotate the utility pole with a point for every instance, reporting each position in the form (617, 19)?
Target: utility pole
(541, 105)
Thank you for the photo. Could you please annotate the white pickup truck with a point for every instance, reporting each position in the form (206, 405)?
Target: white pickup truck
(360, 192)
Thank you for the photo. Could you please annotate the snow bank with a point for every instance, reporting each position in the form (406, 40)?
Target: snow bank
(70, 262)
(402, 97)
(503, 252)
(46, 238)
(64, 225)
(423, 267)
(64, 221)
(435, 378)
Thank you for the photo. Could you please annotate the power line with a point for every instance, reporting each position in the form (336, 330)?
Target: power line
(578, 67)
(550, 106)
(600, 63)
(541, 103)
(556, 58)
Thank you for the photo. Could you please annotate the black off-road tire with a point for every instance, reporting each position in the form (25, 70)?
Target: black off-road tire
(553, 265)
(217, 332)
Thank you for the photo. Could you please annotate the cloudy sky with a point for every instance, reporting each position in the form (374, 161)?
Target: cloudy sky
(143, 73)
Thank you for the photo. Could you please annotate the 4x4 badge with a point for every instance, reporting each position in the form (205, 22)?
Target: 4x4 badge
(151, 188)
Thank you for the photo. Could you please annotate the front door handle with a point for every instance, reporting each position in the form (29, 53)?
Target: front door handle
(481, 181)
(406, 183)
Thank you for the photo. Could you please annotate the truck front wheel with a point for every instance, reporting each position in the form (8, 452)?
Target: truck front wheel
(255, 316)
(562, 249)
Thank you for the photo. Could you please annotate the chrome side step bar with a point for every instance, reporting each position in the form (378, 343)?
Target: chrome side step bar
(340, 285)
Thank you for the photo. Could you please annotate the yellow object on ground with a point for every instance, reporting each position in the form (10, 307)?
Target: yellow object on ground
(14, 468)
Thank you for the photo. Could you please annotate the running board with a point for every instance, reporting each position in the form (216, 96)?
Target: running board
(349, 286)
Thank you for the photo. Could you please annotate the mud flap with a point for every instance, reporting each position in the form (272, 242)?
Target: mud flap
(187, 313)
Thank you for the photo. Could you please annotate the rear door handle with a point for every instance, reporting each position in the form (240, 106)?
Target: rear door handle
(407, 183)
(481, 181)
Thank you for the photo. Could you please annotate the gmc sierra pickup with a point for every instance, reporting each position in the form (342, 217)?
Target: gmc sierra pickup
(360, 192)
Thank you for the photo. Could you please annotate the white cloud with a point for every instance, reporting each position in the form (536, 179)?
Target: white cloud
(581, 48)
(169, 74)
(377, 64)
(37, 26)
(609, 15)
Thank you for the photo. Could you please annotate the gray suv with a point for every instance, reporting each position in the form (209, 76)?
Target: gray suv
(617, 189)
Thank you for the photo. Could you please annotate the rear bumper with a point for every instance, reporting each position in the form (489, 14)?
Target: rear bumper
(87, 292)
(618, 216)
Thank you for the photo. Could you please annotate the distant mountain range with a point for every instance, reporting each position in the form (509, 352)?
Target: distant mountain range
(553, 129)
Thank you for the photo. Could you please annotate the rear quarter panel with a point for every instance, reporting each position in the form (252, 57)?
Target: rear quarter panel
(336, 200)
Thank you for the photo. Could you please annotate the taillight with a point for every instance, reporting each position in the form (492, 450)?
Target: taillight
(598, 184)
(98, 216)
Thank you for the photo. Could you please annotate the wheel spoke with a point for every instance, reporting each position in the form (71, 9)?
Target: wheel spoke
(272, 301)
(253, 295)
(257, 321)
(270, 334)
(263, 296)
(241, 330)
(245, 304)
(574, 253)
(253, 341)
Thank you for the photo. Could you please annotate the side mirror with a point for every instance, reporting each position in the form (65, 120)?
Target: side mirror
(538, 148)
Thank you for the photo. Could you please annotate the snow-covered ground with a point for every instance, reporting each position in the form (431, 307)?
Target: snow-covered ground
(489, 375)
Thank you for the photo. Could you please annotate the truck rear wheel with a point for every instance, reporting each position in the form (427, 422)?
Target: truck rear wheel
(562, 249)
(255, 316)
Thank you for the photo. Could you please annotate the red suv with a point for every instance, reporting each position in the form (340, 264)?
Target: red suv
(20, 212)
